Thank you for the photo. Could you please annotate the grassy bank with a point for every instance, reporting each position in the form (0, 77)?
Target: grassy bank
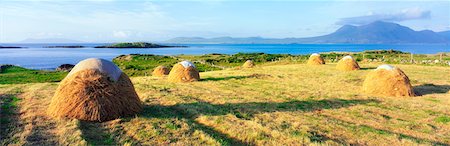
(18, 75)
(291, 104)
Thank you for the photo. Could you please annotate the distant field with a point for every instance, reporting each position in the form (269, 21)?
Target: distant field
(272, 104)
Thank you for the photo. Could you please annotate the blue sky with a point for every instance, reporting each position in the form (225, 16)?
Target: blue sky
(114, 20)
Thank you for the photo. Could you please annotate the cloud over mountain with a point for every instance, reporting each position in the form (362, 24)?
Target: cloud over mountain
(405, 14)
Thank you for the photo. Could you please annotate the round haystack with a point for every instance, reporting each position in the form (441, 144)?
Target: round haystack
(315, 59)
(248, 64)
(184, 71)
(387, 80)
(160, 71)
(347, 64)
(95, 90)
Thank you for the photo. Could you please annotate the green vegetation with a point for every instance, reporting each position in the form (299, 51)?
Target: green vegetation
(443, 119)
(133, 45)
(19, 75)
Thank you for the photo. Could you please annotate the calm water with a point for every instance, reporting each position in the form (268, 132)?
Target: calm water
(37, 57)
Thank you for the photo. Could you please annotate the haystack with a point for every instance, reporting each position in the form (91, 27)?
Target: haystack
(315, 59)
(160, 71)
(95, 90)
(184, 71)
(248, 64)
(387, 80)
(347, 64)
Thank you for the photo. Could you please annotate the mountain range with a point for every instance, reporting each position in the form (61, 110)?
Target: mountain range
(377, 32)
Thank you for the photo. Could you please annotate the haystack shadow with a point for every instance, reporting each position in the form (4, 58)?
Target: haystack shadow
(367, 68)
(401, 135)
(255, 75)
(9, 119)
(425, 89)
(223, 78)
(245, 111)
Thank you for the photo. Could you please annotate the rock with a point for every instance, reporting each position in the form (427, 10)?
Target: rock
(65, 67)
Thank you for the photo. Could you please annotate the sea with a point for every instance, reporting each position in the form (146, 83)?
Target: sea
(36, 56)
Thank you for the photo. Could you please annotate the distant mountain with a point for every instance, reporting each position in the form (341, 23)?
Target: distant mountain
(50, 40)
(378, 32)
(445, 34)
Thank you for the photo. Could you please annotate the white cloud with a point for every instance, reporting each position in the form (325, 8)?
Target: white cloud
(403, 15)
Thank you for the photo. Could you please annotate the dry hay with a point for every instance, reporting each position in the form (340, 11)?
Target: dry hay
(184, 71)
(315, 59)
(248, 64)
(160, 71)
(95, 90)
(388, 81)
(347, 64)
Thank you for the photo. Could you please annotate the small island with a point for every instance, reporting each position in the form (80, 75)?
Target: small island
(63, 46)
(9, 47)
(136, 45)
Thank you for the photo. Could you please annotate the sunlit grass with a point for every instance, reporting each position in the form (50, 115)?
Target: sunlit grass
(289, 104)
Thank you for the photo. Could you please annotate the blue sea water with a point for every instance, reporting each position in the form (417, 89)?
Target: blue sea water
(35, 56)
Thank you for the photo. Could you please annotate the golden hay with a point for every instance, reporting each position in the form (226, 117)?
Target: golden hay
(160, 71)
(93, 95)
(315, 59)
(347, 64)
(388, 81)
(184, 73)
(248, 64)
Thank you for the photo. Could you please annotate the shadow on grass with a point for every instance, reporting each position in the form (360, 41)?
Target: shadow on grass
(367, 68)
(105, 134)
(400, 136)
(223, 78)
(245, 111)
(425, 89)
(258, 76)
(9, 119)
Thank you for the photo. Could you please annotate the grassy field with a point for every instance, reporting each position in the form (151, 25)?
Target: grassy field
(272, 104)
(15, 74)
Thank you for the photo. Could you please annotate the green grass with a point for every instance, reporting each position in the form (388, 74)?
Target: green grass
(443, 119)
(19, 75)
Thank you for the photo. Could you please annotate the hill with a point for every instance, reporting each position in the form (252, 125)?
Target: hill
(378, 32)
(445, 34)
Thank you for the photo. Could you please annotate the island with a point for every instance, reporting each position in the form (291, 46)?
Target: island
(64, 46)
(136, 45)
(9, 47)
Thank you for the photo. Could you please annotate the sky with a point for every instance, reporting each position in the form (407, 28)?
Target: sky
(133, 20)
